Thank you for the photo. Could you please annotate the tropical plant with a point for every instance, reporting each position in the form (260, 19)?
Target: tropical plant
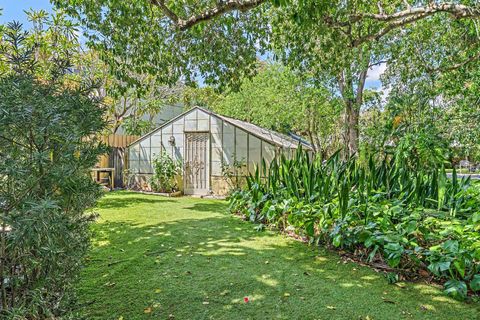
(165, 169)
(48, 144)
(384, 211)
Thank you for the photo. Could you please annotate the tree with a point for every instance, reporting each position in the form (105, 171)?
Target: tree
(281, 100)
(335, 41)
(48, 130)
(440, 77)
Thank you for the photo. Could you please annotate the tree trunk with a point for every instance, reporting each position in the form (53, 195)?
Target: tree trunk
(352, 115)
(353, 98)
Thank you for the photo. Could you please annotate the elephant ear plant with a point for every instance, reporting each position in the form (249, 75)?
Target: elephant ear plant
(47, 147)
(383, 211)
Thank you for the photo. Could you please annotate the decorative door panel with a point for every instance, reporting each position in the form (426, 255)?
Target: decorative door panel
(196, 170)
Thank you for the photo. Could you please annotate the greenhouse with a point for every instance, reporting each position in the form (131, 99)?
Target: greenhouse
(210, 148)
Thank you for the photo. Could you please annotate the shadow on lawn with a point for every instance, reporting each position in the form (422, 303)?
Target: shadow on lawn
(130, 199)
(203, 268)
(209, 207)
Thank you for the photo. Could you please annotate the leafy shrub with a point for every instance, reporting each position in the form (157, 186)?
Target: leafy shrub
(47, 147)
(384, 211)
(164, 171)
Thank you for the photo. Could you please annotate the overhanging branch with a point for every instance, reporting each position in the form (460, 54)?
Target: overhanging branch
(221, 8)
(455, 66)
(457, 10)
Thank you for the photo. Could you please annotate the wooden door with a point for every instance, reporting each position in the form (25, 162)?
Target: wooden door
(196, 170)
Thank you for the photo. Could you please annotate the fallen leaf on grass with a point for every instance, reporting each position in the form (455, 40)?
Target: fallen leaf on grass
(147, 310)
(158, 290)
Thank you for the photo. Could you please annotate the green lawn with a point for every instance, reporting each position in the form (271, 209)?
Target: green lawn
(159, 258)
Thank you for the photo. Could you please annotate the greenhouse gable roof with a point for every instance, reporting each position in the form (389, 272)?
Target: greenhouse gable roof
(275, 138)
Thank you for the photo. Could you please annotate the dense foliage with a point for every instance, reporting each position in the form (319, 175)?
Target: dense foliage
(391, 210)
(280, 99)
(47, 146)
(337, 42)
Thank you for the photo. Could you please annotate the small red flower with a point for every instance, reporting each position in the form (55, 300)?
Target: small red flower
(246, 300)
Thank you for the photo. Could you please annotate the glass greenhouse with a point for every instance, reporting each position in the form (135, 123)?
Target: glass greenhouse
(208, 145)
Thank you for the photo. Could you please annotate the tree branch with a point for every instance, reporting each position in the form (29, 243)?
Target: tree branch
(454, 66)
(221, 8)
(457, 10)
(392, 26)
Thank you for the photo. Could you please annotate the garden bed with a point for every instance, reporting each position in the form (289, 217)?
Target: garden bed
(414, 221)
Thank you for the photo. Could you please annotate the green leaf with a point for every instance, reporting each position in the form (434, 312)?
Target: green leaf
(475, 283)
(456, 289)
(337, 240)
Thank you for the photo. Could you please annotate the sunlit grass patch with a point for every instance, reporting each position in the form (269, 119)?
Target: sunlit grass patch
(188, 258)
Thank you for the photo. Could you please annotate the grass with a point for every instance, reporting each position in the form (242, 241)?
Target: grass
(159, 258)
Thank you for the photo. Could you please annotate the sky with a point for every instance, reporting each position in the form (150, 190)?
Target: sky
(14, 10)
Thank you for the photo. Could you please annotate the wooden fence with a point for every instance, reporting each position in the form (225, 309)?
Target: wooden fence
(116, 158)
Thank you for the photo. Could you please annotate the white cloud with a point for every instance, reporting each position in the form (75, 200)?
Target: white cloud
(375, 72)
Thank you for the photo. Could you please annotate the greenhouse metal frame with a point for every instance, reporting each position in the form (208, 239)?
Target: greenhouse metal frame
(206, 143)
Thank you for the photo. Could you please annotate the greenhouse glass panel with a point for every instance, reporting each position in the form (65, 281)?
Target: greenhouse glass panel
(178, 126)
(241, 146)
(190, 125)
(268, 152)
(191, 115)
(217, 154)
(203, 125)
(254, 153)
(215, 125)
(134, 166)
(203, 121)
(166, 134)
(134, 152)
(155, 152)
(156, 140)
(145, 166)
(178, 153)
(178, 139)
(228, 143)
(145, 149)
(201, 115)
(216, 139)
